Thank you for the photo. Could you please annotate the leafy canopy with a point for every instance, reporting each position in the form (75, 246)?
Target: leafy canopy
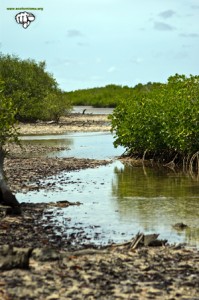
(163, 121)
(30, 86)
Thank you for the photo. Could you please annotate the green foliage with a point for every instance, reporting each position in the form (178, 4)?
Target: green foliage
(7, 119)
(29, 85)
(107, 96)
(58, 105)
(162, 121)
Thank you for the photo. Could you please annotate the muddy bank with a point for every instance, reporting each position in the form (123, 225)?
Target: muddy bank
(73, 122)
(29, 150)
(27, 168)
(30, 173)
(57, 268)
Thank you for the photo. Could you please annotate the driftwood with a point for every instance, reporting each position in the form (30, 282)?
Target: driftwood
(146, 240)
(6, 196)
(141, 240)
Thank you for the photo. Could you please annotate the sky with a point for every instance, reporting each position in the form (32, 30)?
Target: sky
(93, 43)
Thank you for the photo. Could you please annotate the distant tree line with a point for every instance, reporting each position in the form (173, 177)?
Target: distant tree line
(108, 96)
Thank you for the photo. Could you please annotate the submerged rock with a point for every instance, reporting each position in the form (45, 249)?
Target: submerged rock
(180, 226)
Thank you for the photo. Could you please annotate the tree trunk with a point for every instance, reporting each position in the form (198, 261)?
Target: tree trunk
(6, 196)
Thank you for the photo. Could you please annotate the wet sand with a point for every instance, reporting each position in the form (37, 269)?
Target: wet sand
(27, 168)
(73, 122)
(60, 268)
(56, 269)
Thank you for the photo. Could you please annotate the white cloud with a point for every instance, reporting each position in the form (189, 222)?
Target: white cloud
(167, 14)
(73, 33)
(181, 55)
(195, 6)
(163, 26)
(190, 35)
(51, 42)
(82, 44)
(137, 60)
(111, 69)
(98, 60)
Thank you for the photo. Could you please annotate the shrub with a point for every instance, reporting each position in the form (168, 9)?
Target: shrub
(163, 121)
(30, 85)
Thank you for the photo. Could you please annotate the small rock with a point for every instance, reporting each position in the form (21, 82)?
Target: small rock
(53, 297)
(11, 258)
(45, 254)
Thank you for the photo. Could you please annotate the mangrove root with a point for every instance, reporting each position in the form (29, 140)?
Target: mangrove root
(6, 196)
(194, 161)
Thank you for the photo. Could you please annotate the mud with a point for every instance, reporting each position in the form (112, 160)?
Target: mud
(27, 168)
(60, 268)
(65, 265)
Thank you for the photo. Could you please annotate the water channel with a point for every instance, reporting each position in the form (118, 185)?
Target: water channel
(120, 200)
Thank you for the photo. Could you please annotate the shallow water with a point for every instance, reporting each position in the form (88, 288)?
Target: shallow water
(120, 200)
(93, 145)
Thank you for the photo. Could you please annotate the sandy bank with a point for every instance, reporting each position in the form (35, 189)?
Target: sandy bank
(73, 122)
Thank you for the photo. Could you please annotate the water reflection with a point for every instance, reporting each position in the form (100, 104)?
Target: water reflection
(156, 199)
(121, 199)
(152, 182)
(93, 145)
(48, 140)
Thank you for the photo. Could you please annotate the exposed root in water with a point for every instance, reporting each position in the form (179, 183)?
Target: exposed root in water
(171, 164)
(194, 165)
(188, 163)
(144, 154)
(185, 163)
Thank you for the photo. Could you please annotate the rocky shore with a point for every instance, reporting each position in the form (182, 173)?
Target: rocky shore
(40, 261)
(30, 172)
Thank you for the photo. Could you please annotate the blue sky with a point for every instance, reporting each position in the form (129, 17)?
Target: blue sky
(89, 43)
